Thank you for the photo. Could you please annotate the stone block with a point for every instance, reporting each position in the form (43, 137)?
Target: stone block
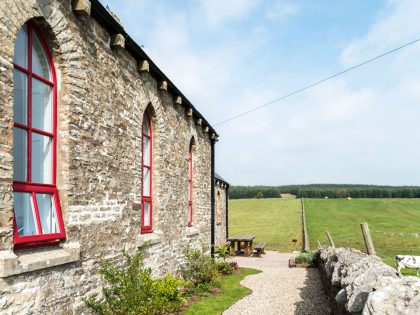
(117, 41)
(81, 7)
(178, 100)
(189, 112)
(163, 86)
(143, 66)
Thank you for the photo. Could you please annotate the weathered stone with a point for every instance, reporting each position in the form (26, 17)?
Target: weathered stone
(81, 7)
(163, 85)
(143, 66)
(394, 296)
(198, 122)
(117, 41)
(358, 283)
(178, 100)
(189, 112)
(101, 103)
(221, 195)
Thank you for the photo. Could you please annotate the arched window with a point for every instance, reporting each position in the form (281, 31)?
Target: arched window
(190, 180)
(36, 203)
(147, 174)
(218, 208)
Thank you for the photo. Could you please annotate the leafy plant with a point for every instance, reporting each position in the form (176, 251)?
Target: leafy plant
(234, 265)
(306, 258)
(198, 268)
(223, 252)
(132, 290)
(225, 268)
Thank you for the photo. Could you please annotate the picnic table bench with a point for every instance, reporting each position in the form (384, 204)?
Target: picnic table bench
(236, 240)
(260, 248)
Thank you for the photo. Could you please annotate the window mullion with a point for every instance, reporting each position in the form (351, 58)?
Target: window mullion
(29, 159)
(38, 218)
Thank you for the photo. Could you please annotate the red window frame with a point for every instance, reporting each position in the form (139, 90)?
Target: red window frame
(147, 199)
(190, 200)
(28, 186)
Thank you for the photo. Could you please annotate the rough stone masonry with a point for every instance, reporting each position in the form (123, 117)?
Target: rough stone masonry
(357, 283)
(104, 89)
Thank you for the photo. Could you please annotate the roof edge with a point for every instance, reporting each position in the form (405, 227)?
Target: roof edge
(101, 14)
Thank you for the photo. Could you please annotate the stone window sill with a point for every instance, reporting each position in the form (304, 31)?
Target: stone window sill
(192, 231)
(152, 238)
(15, 263)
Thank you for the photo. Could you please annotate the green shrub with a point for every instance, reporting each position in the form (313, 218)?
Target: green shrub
(306, 258)
(198, 268)
(132, 290)
(223, 252)
(225, 268)
(234, 265)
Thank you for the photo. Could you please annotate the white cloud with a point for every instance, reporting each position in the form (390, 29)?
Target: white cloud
(279, 10)
(361, 128)
(217, 12)
(397, 25)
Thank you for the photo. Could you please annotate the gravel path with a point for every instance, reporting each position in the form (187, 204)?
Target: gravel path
(280, 289)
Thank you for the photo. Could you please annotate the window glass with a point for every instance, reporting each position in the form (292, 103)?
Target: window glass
(146, 211)
(20, 56)
(41, 106)
(47, 213)
(146, 151)
(40, 63)
(24, 214)
(20, 97)
(146, 181)
(20, 154)
(41, 159)
(146, 125)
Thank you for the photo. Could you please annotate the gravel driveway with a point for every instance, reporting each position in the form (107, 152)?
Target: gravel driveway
(280, 289)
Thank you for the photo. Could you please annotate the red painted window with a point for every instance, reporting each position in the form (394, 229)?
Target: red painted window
(190, 201)
(36, 204)
(147, 174)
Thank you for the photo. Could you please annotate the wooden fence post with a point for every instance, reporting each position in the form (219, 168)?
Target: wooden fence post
(330, 239)
(319, 244)
(368, 239)
(305, 237)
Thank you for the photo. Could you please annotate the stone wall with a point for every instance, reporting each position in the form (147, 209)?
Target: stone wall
(357, 283)
(101, 101)
(220, 213)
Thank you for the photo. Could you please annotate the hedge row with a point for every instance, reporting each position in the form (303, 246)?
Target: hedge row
(325, 190)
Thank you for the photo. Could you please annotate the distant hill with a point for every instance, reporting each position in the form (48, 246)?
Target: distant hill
(325, 190)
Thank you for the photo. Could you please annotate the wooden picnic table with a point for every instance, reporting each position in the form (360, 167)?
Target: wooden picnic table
(237, 240)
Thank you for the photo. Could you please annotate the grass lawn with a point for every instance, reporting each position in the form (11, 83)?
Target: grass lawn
(386, 218)
(274, 221)
(232, 291)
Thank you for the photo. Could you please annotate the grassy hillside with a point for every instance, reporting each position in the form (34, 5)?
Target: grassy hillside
(393, 224)
(275, 221)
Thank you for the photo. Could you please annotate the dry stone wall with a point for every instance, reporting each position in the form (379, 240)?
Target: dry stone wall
(101, 101)
(357, 283)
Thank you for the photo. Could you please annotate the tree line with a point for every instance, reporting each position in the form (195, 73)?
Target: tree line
(325, 191)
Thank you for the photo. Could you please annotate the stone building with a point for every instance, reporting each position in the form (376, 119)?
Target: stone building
(99, 152)
(221, 210)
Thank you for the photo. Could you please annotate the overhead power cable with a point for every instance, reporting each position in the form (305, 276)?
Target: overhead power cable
(316, 83)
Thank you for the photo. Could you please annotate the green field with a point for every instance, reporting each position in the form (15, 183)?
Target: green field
(387, 218)
(274, 221)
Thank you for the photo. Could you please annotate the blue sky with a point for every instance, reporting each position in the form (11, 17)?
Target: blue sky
(232, 55)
